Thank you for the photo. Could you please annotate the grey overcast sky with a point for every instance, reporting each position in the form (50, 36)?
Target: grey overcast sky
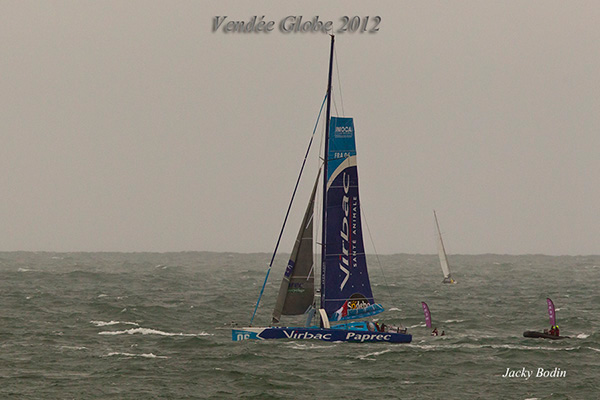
(132, 126)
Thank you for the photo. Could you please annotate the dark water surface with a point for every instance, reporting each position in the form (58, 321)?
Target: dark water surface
(145, 326)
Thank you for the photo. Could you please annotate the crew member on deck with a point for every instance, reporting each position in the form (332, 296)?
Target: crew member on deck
(434, 332)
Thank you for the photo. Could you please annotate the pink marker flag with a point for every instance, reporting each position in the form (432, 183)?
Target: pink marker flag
(551, 312)
(427, 314)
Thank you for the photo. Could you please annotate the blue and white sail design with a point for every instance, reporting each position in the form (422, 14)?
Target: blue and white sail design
(346, 289)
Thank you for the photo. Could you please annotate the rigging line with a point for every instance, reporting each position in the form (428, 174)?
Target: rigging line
(317, 246)
(288, 212)
(335, 105)
(337, 68)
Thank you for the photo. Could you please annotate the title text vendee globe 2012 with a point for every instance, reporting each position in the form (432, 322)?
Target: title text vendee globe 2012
(297, 24)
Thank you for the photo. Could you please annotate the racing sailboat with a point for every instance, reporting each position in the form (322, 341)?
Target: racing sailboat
(442, 254)
(345, 291)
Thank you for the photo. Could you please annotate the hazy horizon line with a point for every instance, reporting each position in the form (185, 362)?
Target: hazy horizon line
(284, 253)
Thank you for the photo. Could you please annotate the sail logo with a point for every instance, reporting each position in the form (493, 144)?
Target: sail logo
(355, 218)
(343, 131)
(289, 269)
(296, 287)
(345, 232)
(358, 304)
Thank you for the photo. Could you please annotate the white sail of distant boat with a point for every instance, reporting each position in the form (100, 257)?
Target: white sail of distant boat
(442, 254)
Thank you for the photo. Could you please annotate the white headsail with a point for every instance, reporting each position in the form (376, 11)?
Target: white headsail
(442, 254)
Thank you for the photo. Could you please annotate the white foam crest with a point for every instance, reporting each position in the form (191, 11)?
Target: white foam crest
(104, 323)
(377, 353)
(148, 331)
(485, 346)
(74, 347)
(520, 347)
(417, 326)
(24, 270)
(145, 355)
(102, 295)
(582, 336)
(593, 348)
(303, 346)
(449, 321)
(394, 309)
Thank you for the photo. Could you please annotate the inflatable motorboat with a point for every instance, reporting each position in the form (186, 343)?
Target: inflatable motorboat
(542, 335)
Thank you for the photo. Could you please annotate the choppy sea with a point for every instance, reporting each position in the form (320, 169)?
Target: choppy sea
(154, 326)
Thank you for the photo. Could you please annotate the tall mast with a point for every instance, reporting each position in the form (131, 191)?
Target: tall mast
(325, 177)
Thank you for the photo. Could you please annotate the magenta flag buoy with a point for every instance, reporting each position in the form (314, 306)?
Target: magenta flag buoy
(427, 314)
(551, 312)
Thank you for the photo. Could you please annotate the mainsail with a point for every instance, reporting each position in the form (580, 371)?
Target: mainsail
(296, 292)
(427, 314)
(346, 289)
(442, 252)
(551, 312)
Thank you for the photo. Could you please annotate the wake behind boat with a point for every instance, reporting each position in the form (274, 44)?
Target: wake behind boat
(345, 290)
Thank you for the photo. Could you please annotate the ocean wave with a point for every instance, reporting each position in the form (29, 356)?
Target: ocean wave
(148, 331)
(582, 336)
(74, 347)
(376, 353)
(103, 323)
(488, 346)
(144, 355)
(302, 346)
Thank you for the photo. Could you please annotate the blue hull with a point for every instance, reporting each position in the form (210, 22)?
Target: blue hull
(328, 335)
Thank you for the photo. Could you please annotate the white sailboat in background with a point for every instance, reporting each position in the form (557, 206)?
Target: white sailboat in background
(442, 254)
